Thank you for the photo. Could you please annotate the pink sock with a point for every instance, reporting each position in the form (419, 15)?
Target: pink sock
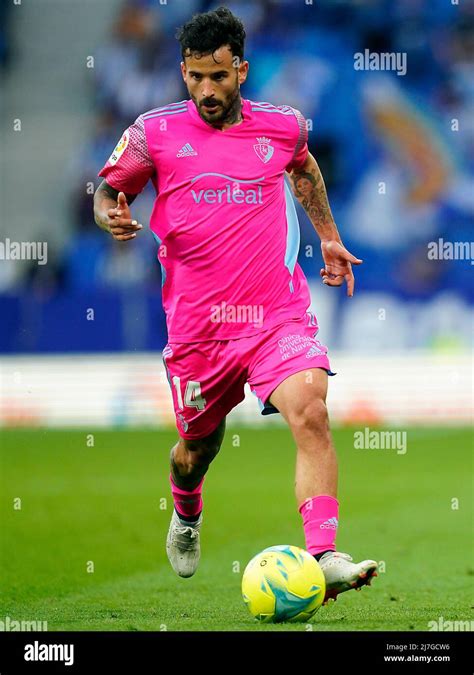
(320, 521)
(187, 503)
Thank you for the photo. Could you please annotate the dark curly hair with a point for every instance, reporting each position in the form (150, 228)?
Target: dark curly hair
(208, 31)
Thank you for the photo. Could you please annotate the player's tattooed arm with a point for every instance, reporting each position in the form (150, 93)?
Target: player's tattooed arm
(112, 213)
(309, 189)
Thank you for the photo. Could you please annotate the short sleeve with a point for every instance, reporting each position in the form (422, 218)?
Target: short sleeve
(300, 152)
(130, 166)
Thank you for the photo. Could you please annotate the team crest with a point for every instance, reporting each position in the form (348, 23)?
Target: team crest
(119, 149)
(263, 149)
(182, 422)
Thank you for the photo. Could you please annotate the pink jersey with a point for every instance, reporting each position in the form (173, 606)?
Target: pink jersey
(224, 216)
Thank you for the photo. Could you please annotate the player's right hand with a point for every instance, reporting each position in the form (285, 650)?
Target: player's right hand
(121, 225)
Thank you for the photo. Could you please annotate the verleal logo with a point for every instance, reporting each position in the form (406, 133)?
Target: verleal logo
(263, 149)
(234, 192)
(120, 148)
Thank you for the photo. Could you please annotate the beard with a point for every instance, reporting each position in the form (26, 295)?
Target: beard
(226, 112)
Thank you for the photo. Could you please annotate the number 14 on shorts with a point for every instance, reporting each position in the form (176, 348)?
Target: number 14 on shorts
(192, 395)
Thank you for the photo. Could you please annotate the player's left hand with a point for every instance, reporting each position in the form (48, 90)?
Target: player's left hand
(338, 265)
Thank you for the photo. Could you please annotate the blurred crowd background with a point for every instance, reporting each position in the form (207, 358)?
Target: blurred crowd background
(396, 152)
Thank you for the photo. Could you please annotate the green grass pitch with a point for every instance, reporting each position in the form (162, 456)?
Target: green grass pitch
(103, 504)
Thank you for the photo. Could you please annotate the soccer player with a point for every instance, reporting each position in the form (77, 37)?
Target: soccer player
(235, 298)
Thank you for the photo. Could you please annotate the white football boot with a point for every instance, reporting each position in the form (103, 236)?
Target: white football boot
(342, 574)
(182, 546)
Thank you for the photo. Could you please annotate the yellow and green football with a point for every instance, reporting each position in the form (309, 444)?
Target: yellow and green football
(283, 583)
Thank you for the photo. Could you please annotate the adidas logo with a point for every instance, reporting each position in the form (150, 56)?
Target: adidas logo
(314, 351)
(186, 151)
(330, 524)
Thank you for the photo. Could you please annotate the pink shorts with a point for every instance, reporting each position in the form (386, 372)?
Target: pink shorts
(207, 378)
